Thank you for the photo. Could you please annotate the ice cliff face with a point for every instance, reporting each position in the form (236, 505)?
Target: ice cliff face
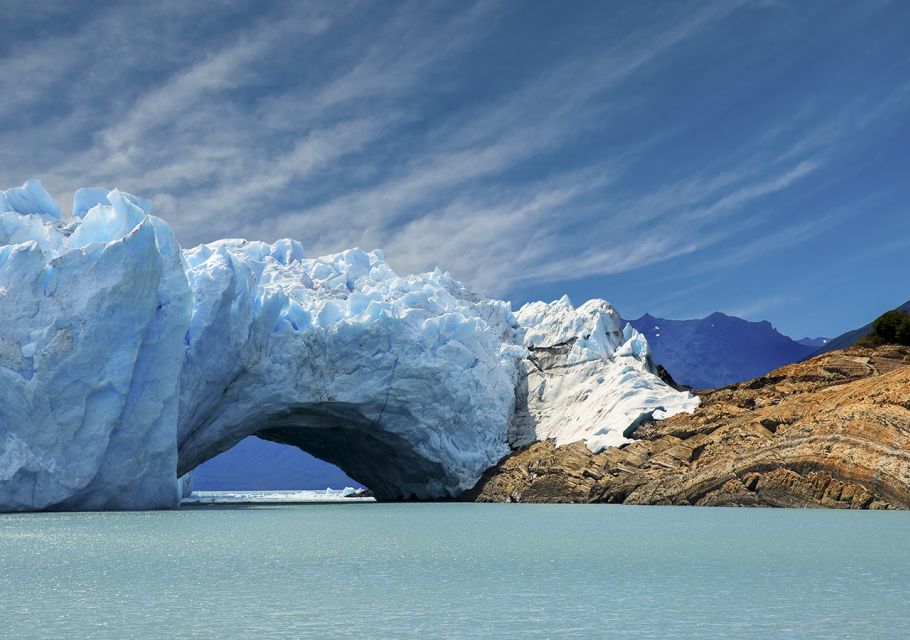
(586, 377)
(125, 362)
(92, 318)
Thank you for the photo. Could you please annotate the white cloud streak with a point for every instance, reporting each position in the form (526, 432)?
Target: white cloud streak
(333, 123)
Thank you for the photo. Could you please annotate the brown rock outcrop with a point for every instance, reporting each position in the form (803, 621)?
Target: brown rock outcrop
(833, 431)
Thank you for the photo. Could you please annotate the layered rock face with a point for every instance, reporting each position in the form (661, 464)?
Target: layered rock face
(126, 361)
(830, 432)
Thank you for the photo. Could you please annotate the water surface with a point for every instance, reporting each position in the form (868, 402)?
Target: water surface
(456, 571)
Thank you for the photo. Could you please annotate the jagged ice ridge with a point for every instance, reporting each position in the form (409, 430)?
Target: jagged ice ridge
(126, 361)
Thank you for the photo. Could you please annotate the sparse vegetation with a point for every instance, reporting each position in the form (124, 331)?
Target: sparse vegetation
(892, 327)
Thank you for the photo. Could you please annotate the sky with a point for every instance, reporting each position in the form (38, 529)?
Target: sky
(671, 157)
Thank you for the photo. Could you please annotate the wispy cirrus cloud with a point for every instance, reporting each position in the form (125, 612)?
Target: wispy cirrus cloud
(513, 144)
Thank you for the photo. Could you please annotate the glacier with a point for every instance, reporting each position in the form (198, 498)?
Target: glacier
(126, 361)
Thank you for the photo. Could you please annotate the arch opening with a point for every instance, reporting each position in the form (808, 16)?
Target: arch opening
(339, 434)
(255, 464)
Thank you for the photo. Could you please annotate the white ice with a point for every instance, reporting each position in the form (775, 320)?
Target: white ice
(126, 361)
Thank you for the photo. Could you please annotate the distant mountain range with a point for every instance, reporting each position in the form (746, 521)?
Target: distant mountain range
(718, 350)
(814, 342)
(847, 339)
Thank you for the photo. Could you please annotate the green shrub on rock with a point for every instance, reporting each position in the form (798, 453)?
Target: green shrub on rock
(892, 327)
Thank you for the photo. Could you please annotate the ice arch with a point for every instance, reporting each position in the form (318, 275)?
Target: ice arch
(126, 361)
(407, 384)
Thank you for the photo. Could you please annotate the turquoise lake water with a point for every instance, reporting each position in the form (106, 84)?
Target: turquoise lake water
(456, 571)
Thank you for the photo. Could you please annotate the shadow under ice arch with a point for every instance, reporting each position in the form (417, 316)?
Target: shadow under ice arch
(342, 435)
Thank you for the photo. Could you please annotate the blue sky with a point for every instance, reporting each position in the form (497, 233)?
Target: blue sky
(671, 157)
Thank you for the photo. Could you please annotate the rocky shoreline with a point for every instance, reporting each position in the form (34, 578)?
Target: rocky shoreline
(833, 431)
